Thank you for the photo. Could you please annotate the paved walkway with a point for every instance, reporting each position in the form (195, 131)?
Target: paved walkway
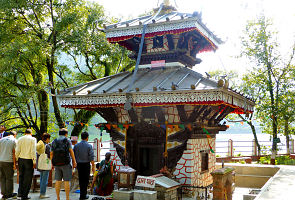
(51, 192)
(281, 186)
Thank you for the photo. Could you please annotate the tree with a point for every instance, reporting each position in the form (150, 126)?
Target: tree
(240, 85)
(287, 114)
(270, 74)
(35, 36)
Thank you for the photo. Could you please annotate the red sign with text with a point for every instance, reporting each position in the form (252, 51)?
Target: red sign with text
(145, 181)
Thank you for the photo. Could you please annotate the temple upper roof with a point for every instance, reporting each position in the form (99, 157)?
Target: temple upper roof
(171, 23)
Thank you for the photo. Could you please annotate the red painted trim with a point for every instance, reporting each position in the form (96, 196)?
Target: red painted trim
(210, 47)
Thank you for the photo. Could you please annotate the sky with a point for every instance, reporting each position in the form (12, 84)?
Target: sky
(225, 18)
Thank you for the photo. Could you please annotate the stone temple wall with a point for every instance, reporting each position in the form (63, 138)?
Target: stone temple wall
(188, 169)
(115, 157)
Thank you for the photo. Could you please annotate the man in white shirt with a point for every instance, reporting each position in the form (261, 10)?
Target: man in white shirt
(7, 164)
(25, 153)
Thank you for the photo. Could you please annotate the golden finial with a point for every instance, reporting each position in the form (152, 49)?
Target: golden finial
(166, 2)
(167, 8)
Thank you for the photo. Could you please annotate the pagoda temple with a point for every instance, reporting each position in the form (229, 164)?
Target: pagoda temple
(163, 113)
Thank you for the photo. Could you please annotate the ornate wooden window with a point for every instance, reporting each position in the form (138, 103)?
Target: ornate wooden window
(158, 42)
(204, 160)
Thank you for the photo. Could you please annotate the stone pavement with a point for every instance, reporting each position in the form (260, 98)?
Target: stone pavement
(51, 192)
(281, 186)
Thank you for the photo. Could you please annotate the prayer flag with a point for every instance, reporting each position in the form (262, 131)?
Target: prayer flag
(189, 126)
(181, 126)
(120, 126)
(108, 126)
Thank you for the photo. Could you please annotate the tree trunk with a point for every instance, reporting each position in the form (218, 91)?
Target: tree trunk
(274, 141)
(273, 115)
(287, 135)
(57, 114)
(83, 116)
(255, 137)
(43, 109)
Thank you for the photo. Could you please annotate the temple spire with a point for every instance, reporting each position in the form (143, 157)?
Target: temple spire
(167, 8)
(166, 3)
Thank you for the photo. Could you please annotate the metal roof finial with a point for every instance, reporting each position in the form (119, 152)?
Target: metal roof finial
(166, 2)
(167, 7)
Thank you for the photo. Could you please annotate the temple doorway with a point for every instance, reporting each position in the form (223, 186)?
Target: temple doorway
(145, 147)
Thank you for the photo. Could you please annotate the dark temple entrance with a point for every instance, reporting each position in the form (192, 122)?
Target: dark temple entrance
(145, 148)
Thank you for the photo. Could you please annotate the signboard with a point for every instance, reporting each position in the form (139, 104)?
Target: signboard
(145, 181)
(158, 63)
(277, 140)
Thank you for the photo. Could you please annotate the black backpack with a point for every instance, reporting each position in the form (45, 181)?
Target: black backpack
(61, 155)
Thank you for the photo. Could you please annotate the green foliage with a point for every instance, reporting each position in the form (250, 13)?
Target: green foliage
(264, 160)
(238, 155)
(36, 39)
(271, 81)
(264, 150)
(242, 162)
(285, 160)
(280, 160)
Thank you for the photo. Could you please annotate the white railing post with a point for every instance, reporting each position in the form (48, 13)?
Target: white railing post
(230, 152)
(96, 149)
(254, 148)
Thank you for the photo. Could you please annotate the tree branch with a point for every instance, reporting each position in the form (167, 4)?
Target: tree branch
(77, 65)
(61, 77)
(38, 22)
(89, 67)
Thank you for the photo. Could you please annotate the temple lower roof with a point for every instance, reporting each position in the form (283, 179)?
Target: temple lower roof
(154, 87)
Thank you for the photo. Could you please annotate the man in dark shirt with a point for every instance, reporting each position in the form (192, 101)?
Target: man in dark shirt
(84, 156)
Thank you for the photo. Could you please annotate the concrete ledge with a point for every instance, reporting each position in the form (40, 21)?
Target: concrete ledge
(251, 181)
(145, 195)
(123, 194)
(252, 175)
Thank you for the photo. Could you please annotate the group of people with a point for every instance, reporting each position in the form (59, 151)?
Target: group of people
(43, 156)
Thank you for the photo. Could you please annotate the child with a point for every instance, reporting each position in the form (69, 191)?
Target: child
(94, 184)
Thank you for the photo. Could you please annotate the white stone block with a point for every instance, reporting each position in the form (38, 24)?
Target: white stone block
(145, 195)
(123, 194)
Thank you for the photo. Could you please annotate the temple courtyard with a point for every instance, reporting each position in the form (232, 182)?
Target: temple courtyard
(278, 186)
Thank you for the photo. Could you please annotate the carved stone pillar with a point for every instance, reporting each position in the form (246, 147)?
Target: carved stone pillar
(223, 183)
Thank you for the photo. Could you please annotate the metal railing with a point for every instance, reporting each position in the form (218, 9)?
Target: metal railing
(233, 148)
(229, 148)
(103, 149)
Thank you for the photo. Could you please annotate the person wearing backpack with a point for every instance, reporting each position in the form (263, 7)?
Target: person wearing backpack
(43, 163)
(61, 154)
(84, 156)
